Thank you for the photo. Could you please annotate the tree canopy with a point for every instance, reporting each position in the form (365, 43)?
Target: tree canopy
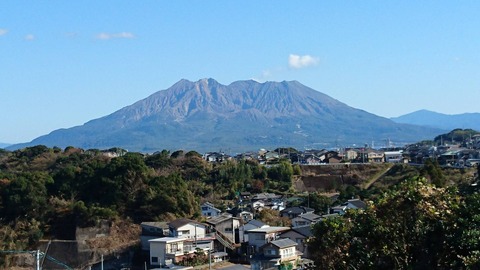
(413, 226)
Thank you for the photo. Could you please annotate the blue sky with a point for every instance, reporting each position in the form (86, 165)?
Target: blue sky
(63, 63)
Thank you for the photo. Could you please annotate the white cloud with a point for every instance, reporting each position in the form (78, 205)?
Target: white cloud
(29, 37)
(301, 61)
(107, 36)
(3, 31)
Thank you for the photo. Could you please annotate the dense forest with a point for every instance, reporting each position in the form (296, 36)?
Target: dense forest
(48, 192)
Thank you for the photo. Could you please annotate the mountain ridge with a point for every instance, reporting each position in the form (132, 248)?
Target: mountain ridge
(440, 120)
(244, 115)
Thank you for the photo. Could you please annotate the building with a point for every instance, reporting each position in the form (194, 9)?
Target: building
(299, 235)
(305, 219)
(171, 250)
(293, 212)
(152, 230)
(261, 236)
(227, 226)
(209, 210)
(276, 253)
(186, 228)
(250, 225)
(394, 157)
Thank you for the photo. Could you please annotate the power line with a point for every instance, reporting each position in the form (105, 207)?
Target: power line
(38, 254)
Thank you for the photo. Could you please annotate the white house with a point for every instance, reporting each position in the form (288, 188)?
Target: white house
(260, 236)
(258, 205)
(186, 228)
(250, 225)
(171, 250)
(394, 157)
(275, 253)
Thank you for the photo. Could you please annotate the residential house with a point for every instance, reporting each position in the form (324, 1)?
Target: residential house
(395, 157)
(265, 196)
(152, 230)
(350, 204)
(246, 216)
(338, 209)
(276, 253)
(295, 211)
(375, 156)
(250, 225)
(260, 236)
(351, 154)
(245, 196)
(171, 250)
(227, 227)
(215, 157)
(305, 219)
(275, 204)
(258, 205)
(300, 236)
(332, 157)
(209, 210)
(186, 228)
(311, 159)
(356, 204)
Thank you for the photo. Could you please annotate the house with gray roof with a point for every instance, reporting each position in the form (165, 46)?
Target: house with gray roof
(275, 253)
(300, 236)
(293, 212)
(305, 219)
(152, 230)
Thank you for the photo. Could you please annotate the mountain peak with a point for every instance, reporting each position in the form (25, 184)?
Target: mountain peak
(244, 115)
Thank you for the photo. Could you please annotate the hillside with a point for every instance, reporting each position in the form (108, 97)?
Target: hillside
(245, 115)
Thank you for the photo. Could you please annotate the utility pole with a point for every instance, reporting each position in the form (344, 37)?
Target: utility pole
(210, 258)
(37, 258)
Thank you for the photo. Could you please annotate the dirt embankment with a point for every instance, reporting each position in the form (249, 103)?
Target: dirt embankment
(325, 178)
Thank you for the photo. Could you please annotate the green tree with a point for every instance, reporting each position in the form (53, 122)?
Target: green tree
(159, 160)
(413, 226)
(25, 195)
(432, 171)
(318, 202)
(280, 176)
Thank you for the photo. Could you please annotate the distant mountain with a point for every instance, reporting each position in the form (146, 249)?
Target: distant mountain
(439, 120)
(245, 115)
(4, 145)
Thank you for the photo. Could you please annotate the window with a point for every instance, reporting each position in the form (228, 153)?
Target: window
(154, 259)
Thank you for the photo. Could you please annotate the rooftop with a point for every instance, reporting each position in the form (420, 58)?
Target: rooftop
(304, 230)
(158, 224)
(219, 219)
(167, 240)
(297, 210)
(269, 230)
(283, 243)
(310, 216)
(177, 223)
